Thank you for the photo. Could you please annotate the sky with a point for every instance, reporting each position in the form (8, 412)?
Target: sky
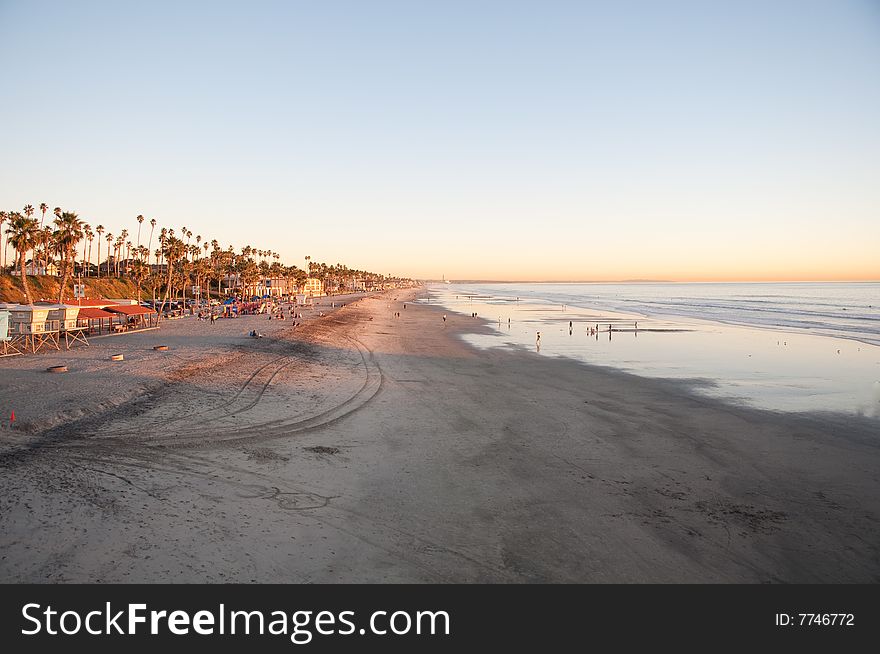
(509, 140)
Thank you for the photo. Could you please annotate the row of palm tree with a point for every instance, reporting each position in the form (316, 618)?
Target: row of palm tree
(177, 262)
(25, 234)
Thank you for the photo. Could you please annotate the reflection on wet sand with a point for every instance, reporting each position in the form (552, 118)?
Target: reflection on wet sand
(762, 367)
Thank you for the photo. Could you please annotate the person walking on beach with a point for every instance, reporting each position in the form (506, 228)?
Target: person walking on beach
(444, 319)
(538, 341)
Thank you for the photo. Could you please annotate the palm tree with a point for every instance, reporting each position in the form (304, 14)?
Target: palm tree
(28, 212)
(163, 235)
(117, 254)
(69, 232)
(22, 234)
(188, 236)
(90, 235)
(43, 209)
(139, 272)
(173, 249)
(140, 220)
(248, 273)
(109, 238)
(100, 230)
(150, 242)
(122, 236)
(86, 231)
(3, 217)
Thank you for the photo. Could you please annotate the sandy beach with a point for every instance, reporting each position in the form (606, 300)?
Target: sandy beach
(363, 447)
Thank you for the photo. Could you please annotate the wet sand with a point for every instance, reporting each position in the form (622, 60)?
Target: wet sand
(363, 447)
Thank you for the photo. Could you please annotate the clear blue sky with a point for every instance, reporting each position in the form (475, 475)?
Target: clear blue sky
(557, 140)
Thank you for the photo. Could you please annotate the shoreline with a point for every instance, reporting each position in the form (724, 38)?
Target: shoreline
(685, 317)
(375, 448)
(862, 427)
(745, 365)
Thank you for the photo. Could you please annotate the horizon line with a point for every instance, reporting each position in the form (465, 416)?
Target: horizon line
(646, 281)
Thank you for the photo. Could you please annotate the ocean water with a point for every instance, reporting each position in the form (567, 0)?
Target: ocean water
(779, 346)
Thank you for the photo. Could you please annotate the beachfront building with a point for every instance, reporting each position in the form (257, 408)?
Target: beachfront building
(273, 287)
(231, 283)
(32, 267)
(313, 287)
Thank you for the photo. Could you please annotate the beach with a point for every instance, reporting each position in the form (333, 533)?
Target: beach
(365, 447)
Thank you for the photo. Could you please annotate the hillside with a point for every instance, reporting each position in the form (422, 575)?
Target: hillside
(46, 288)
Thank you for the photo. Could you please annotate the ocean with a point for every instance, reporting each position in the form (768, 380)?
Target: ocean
(805, 346)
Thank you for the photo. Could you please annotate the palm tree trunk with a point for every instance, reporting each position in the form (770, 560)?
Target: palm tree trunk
(24, 281)
(65, 270)
(167, 290)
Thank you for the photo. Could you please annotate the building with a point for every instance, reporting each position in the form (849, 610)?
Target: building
(313, 287)
(32, 267)
(274, 287)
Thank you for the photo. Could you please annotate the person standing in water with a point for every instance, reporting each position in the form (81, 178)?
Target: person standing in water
(538, 341)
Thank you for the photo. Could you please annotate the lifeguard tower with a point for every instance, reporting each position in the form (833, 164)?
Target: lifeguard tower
(66, 315)
(30, 328)
(6, 347)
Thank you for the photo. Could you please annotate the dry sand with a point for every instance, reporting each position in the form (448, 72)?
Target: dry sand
(363, 447)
